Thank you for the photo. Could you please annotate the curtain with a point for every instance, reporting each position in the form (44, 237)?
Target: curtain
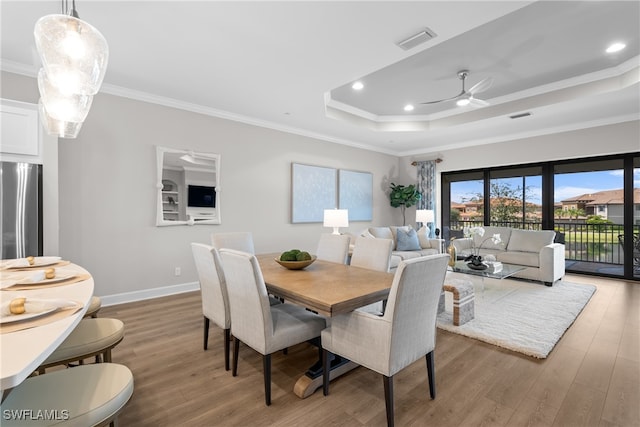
(427, 188)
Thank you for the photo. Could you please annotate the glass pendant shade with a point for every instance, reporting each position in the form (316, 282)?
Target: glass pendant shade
(74, 54)
(58, 128)
(62, 106)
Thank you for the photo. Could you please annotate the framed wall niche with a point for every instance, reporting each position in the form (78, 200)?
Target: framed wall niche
(188, 185)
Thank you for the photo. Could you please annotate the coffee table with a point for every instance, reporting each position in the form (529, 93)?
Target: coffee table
(464, 290)
(508, 270)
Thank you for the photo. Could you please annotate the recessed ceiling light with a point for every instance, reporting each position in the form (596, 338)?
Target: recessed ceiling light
(357, 86)
(408, 107)
(463, 102)
(616, 47)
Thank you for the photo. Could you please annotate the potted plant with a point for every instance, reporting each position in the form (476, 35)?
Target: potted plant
(403, 197)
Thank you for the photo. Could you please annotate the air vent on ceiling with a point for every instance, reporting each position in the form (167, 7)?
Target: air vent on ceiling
(518, 116)
(416, 39)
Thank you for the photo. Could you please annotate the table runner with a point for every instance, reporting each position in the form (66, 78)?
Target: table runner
(74, 279)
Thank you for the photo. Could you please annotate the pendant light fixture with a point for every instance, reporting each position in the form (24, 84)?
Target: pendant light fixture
(74, 59)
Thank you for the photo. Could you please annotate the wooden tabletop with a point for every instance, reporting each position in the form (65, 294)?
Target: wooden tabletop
(325, 287)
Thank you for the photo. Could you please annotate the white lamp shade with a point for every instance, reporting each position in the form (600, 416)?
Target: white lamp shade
(58, 128)
(425, 216)
(74, 54)
(62, 106)
(336, 218)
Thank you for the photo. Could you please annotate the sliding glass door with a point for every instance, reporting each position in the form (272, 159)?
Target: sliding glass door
(592, 204)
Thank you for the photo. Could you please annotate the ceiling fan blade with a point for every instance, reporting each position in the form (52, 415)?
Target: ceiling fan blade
(478, 102)
(444, 100)
(481, 86)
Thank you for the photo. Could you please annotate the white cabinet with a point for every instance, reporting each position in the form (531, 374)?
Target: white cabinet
(170, 205)
(20, 139)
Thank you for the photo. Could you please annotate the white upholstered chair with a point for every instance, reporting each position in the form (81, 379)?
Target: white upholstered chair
(94, 307)
(372, 254)
(240, 241)
(405, 333)
(215, 302)
(265, 328)
(88, 395)
(333, 248)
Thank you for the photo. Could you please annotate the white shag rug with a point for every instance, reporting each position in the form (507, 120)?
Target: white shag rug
(521, 316)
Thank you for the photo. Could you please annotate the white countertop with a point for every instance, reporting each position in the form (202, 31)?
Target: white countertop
(21, 352)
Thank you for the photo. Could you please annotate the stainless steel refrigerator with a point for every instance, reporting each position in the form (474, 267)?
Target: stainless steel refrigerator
(21, 207)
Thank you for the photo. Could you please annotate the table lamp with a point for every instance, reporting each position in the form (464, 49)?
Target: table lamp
(425, 216)
(336, 218)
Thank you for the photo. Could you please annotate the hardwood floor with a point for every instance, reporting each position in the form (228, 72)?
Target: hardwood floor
(591, 378)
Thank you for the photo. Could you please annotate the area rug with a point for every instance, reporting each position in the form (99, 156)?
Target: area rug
(525, 317)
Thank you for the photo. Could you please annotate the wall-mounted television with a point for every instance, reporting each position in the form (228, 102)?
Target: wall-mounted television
(200, 196)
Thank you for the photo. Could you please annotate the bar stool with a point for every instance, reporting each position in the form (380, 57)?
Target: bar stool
(89, 395)
(94, 307)
(92, 337)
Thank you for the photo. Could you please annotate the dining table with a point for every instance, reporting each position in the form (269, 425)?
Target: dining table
(54, 306)
(329, 289)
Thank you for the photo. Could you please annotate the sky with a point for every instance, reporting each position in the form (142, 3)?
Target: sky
(566, 185)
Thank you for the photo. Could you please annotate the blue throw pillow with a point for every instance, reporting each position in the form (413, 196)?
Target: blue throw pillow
(408, 240)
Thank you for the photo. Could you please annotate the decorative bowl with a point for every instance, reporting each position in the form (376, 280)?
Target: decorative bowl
(477, 266)
(296, 265)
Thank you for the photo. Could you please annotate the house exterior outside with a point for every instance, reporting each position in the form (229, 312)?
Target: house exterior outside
(608, 204)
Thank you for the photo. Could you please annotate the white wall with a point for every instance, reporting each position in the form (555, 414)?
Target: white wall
(107, 182)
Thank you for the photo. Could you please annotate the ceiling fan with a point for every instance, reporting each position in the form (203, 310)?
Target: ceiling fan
(467, 97)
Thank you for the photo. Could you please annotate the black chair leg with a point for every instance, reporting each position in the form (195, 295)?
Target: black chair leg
(326, 371)
(432, 374)
(227, 338)
(388, 398)
(236, 347)
(206, 332)
(266, 367)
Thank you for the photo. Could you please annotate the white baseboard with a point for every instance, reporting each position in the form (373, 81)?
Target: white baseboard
(148, 294)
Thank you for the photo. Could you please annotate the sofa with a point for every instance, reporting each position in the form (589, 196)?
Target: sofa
(411, 244)
(534, 249)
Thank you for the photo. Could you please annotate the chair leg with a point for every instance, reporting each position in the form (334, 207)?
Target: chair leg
(107, 356)
(227, 337)
(236, 347)
(326, 371)
(432, 374)
(206, 332)
(266, 367)
(388, 398)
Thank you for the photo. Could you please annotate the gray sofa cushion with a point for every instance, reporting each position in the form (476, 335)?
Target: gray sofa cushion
(407, 240)
(531, 259)
(529, 240)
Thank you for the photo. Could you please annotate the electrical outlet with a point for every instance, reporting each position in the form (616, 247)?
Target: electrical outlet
(178, 271)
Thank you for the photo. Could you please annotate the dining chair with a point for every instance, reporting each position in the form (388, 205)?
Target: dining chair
(88, 395)
(240, 241)
(333, 248)
(213, 289)
(405, 333)
(263, 327)
(372, 254)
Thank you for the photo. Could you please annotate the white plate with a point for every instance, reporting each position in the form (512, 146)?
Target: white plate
(40, 261)
(58, 278)
(34, 308)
